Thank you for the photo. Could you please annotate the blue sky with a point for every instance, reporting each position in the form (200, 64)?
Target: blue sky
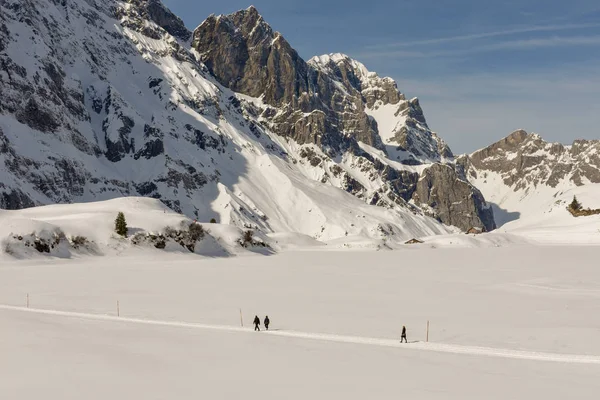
(481, 68)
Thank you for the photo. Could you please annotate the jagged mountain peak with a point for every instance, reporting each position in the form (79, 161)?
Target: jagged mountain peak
(402, 124)
(525, 162)
(233, 124)
(248, 23)
(354, 74)
(244, 54)
(334, 59)
(522, 175)
(518, 141)
(252, 10)
(238, 47)
(511, 141)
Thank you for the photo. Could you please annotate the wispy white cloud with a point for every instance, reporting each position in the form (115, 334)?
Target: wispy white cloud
(543, 42)
(485, 35)
(555, 41)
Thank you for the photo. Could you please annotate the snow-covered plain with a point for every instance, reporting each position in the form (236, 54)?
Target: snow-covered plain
(518, 321)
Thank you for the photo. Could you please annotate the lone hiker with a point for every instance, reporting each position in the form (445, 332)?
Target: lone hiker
(256, 323)
(403, 337)
(267, 322)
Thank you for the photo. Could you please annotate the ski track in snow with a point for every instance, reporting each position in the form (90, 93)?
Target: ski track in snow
(435, 347)
(576, 291)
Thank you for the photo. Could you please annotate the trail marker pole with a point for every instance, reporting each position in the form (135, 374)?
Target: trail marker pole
(118, 309)
(427, 337)
(27, 300)
(241, 319)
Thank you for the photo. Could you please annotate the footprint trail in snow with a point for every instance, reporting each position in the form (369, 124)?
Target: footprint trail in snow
(435, 347)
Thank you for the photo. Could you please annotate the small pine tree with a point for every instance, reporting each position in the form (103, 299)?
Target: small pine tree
(121, 225)
(575, 205)
(213, 221)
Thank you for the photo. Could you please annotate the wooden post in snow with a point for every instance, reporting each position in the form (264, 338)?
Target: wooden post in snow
(241, 319)
(427, 337)
(27, 300)
(118, 309)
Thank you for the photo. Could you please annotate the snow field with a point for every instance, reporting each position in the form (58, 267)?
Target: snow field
(498, 315)
(539, 213)
(415, 345)
(72, 359)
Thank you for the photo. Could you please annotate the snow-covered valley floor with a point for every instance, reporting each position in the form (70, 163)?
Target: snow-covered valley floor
(505, 322)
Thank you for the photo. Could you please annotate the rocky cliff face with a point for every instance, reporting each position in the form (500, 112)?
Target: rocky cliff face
(246, 55)
(108, 99)
(439, 185)
(401, 123)
(85, 106)
(524, 176)
(525, 160)
(323, 101)
(335, 103)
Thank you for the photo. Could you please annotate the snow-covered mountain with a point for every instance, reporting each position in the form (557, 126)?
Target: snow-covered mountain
(401, 124)
(527, 178)
(104, 99)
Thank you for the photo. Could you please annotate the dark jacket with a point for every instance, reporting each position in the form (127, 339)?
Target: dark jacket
(403, 331)
(267, 321)
(256, 320)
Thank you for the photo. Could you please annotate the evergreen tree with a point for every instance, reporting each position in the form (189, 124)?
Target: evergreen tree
(575, 205)
(121, 225)
(213, 221)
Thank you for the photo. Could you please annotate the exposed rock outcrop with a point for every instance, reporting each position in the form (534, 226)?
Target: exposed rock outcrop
(336, 103)
(135, 104)
(525, 160)
(155, 11)
(453, 199)
(244, 53)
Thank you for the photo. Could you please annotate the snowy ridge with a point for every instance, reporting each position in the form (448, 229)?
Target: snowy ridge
(400, 122)
(75, 230)
(126, 106)
(141, 116)
(135, 113)
(530, 182)
(327, 60)
(421, 346)
(63, 226)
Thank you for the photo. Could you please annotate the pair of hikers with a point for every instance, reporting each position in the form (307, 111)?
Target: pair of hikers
(257, 323)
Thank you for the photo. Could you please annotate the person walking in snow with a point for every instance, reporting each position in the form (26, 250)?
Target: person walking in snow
(267, 322)
(403, 337)
(256, 323)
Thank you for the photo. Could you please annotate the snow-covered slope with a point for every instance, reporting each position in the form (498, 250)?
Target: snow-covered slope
(108, 99)
(74, 230)
(530, 182)
(336, 110)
